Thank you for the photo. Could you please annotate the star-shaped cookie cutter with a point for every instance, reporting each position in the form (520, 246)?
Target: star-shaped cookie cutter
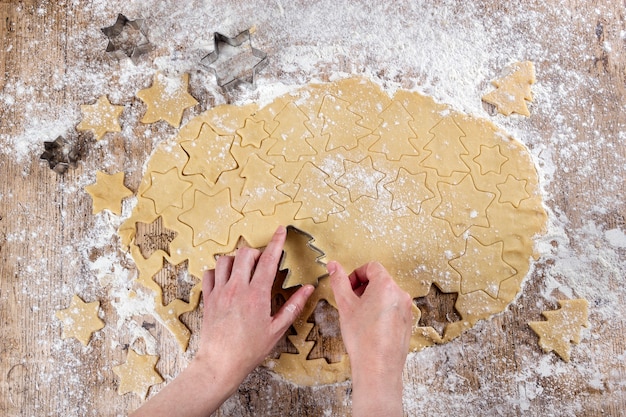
(231, 80)
(310, 239)
(60, 154)
(127, 38)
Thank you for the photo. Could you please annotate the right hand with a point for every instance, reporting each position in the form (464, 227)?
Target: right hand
(376, 320)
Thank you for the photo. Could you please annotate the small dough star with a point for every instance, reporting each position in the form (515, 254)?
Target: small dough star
(108, 192)
(101, 117)
(137, 374)
(490, 159)
(253, 133)
(167, 99)
(409, 190)
(360, 178)
(513, 191)
(80, 320)
(482, 267)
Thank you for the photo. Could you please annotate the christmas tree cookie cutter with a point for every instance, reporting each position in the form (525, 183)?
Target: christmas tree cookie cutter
(127, 38)
(236, 74)
(298, 273)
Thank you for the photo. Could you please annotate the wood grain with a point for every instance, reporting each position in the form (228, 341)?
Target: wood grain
(42, 214)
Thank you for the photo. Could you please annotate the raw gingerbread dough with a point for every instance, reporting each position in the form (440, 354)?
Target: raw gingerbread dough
(108, 192)
(80, 320)
(137, 374)
(100, 118)
(439, 197)
(562, 327)
(513, 90)
(166, 99)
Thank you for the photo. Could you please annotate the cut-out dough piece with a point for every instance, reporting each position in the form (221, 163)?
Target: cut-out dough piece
(482, 267)
(100, 118)
(341, 124)
(513, 191)
(166, 99)
(137, 374)
(108, 192)
(209, 154)
(208, 216)
(260, 187)
(563, 327)
(395, 135)
(513, 89)
(166, 189)
(253, 133)
(409, 190)
(315, 195)
(291, 134)
(446, 148)
(302, 260)
(80, 320)
(360, 178)
(490, 159)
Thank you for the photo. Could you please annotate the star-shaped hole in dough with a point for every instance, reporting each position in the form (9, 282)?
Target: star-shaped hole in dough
(490, 159)
(167, 99)
(100, 118)
(253, 133)
(437, 309)
(482, 268)
(360, 178)
(463, 205)
(137, 374)
(209, 155)
(409, 190)
(513, 191)
(151, 237)
(208, 216)
(108, 192)
(260, 187)
(175, 281)
(166, 189)
(80, 320)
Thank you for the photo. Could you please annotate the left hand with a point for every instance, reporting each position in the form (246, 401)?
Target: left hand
(238, 330)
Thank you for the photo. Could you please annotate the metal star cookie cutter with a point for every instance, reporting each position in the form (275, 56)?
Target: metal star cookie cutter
(287, 283)
(60, 154)
(127, 38)
(237, 74)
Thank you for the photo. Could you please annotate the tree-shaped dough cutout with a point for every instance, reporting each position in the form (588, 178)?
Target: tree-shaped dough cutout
(513, 90)
(563, 327)
(395, 133)
(341, 124)
(291, 135)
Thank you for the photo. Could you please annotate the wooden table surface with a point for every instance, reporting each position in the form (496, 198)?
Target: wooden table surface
(52, 60)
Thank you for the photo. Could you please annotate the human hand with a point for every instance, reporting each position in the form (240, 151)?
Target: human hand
(238, 330)
(376, 320)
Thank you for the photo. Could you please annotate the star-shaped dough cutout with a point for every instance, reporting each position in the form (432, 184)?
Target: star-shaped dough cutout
(137, 374)
(253, 133)
(209, 154)
(166, 189)
(108, 192)
(463, 205)
(167, 99)
(513, 191)
(208, 216)
(80, 320)
(100, 118)
(360, 178)
(409, 190)
(482, 267)
(490, 159)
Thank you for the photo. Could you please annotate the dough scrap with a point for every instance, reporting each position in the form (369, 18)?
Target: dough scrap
(436, 201)
(166, 99)
(563, 327)
(100, 118)
(513, 90)
(108, 192)
(80, 320)
(137, 374)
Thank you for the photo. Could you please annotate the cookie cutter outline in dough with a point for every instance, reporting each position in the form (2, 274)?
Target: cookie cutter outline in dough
(309, 244)
(238, 40)
(60, 154)
(114, 31)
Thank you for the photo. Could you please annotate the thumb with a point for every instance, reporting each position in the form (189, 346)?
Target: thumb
(292, 309)
(340, 283)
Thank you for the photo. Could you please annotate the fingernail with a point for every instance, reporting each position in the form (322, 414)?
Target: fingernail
(309, 290)
(281, 229)
(331, 267)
